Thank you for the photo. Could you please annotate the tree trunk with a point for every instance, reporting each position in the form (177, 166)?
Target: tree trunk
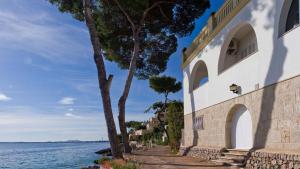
(123, 98)
(104, 83)
(166, 111)
(162, 124)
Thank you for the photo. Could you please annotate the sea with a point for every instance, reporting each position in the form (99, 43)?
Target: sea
(50, 155)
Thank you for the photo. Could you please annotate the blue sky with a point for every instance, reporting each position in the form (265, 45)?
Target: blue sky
(48, 80)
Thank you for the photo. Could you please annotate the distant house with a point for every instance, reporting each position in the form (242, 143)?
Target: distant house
(153, 122)
(242, 82)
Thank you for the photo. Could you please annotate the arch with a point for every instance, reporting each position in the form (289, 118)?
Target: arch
(240, 43)
(289, 17)
(238, 131)
(199, 75)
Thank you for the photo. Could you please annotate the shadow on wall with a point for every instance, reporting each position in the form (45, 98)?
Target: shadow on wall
(192, 99)
(275, 71)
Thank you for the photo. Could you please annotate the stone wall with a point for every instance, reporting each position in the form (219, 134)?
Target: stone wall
(275, 113)
(201, 152)
(270, 160)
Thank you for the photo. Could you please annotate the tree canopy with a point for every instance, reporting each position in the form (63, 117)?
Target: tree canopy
(164, 84)
(135, 125)
(165, 21)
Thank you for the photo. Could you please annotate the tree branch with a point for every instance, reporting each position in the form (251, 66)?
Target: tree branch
(151, 7)
(109, 80)
(126, 14)
(163, 13)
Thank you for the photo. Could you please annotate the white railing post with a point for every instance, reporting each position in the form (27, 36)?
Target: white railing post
(211, 24)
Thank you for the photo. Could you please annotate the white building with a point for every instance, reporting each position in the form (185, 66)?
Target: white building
(242, 83)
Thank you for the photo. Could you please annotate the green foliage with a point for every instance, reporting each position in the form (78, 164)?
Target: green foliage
(135, 125)
(157, 36)
(116, 165)
(102, 160)
(158, 30)
(136, 138)
(164, 84)
(147, 136)
(156, 107)
(124, 166)
(158, 132)
(175, 123)
(75, 7)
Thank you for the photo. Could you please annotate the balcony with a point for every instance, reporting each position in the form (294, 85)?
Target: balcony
(216, 23)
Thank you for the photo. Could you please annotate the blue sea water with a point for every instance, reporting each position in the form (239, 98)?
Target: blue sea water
(69, 155)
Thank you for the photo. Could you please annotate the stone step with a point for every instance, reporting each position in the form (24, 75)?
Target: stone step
(237, 152)
(228, 162)
(233, 155)
(234, 159)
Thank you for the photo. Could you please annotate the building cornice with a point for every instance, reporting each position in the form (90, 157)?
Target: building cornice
(215, 24)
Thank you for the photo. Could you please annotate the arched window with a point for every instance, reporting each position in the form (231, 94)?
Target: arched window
(289, 17)
(199, 75)
(240, 44)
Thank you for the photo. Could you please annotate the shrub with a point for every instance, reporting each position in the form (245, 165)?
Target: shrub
(124, 166)
(175, 118)
(102, 160)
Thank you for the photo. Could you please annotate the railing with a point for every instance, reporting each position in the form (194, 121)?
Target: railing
(215, 23)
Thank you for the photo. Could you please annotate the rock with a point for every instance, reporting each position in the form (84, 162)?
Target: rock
(92, 167)
(297, 166)
(283, 166)
(291, 165)
(104, 151)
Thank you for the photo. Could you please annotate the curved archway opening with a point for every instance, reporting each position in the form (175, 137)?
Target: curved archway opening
(239, 128)
(240, 43)
(289, 17)
(199, 76)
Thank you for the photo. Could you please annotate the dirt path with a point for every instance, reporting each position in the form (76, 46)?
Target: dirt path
(160, 157)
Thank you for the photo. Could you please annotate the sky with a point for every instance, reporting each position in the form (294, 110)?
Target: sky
(48, 81)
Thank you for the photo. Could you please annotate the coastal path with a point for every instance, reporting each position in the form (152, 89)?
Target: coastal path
(160, 157)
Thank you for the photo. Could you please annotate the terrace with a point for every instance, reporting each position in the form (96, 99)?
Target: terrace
(216, 23)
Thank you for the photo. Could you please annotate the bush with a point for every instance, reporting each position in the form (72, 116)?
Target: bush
(147, 136)
(116, 164)
(102, 160)
(124, 166)
(175, 118)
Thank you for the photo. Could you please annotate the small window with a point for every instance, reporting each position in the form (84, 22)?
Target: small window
(293, 16)
(198, 123)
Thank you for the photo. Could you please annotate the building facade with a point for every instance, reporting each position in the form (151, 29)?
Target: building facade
(241, 79)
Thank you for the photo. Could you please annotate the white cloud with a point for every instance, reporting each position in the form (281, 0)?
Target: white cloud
(72, 115)
(67, 101)
(4, 98)
(44, 36)
(71, 109)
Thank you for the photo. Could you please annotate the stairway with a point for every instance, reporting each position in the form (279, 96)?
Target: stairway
(233, 157)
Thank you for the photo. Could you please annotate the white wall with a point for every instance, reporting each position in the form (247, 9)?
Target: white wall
(277, 59)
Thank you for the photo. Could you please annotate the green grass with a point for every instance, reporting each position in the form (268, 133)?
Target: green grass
(126, 166)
